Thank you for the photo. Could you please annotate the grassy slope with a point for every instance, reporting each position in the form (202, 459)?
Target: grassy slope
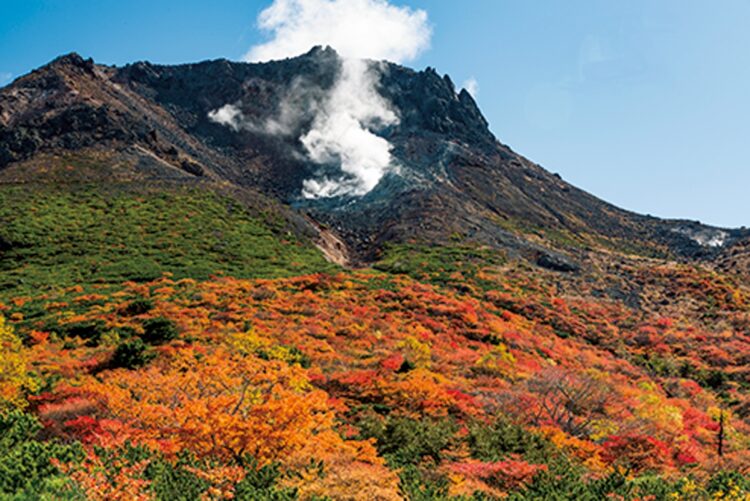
(53, 237)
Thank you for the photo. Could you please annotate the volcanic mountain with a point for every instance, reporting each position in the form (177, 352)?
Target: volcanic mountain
(182, 317)
(151, 124)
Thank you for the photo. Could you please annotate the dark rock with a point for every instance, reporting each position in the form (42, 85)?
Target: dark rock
(193, 168)
(556, 262)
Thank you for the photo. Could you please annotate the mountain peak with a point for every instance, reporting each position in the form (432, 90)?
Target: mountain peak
(449, 178)
(73, 60)
(322, 50)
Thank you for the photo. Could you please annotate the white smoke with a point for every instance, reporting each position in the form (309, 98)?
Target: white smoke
(229, 115)
(343, 125)
(300, 100)
(341, 133)
(472, 87)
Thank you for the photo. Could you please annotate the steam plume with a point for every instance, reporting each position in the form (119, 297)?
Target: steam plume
(472, 87)
(345, 121)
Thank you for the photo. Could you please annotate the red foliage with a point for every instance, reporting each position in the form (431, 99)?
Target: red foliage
(638, 452)
(507, 474)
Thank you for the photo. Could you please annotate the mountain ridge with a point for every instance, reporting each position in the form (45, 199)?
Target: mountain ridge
(456, 180)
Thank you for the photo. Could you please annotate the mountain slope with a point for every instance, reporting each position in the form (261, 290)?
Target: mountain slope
(454, 181)
(171, 326)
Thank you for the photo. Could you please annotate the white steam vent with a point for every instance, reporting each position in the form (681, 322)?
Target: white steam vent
(346, 119)
(705, 237)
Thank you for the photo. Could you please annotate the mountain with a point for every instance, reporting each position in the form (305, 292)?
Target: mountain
(455, 180)
(180, 318)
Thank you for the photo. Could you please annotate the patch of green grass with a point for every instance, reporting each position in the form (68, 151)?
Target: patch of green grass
(452, 266)
(565, 238)
(55, 237)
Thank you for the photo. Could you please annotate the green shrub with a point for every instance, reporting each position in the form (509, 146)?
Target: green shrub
(138, 307)
(174, 481)
(493, 442)
(26, 470)
(89, 330)
(404, 441)
(727, 481)
(108, 234)
(260, 484)
(131, 354)
(159, 330)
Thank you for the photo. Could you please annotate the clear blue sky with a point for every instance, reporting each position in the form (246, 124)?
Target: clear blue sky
(645, 103)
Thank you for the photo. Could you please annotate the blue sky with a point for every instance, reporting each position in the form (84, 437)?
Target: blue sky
(643, 103)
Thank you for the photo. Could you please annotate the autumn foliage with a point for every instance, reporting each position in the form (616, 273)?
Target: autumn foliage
(367, 385)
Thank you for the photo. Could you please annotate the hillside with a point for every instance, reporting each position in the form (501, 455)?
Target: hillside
(454, 178)
(177, 321)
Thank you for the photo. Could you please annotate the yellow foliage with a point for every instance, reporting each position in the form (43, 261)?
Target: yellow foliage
(247, 343)
(653, 407)
(499, 360)
(14, 378)
(602, 428)
(416, 352)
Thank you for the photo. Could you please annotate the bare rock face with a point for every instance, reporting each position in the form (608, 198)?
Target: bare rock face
(454, 179)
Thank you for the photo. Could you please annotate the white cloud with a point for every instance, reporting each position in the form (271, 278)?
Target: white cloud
(347, 119)
(472, 87)
(5, 77)
(364, 29)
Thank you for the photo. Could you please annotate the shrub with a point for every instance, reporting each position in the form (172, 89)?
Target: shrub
(26, 469)
(138, 307)
(176, 481)
(260, 484)
(404, 441)
(131, 354)
(725, 482)
(423, 485)
(496, 441)
(159, 330)
(91, 331)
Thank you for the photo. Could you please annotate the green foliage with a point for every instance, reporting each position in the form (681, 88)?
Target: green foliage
(91, 331)
(159, 330)
(419, 484)
(564, 481)
(26, 470)
(174, 481)
(138, 306)
(260, 484)
(56, 238)
(727, 481)
(495, 441)
(439, 264)
(131, 354)
(657, 365)
(404, 441)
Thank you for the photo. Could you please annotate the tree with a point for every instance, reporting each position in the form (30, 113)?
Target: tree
(227, 406)
(26, 464)
(14, 378)
(570, 401)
